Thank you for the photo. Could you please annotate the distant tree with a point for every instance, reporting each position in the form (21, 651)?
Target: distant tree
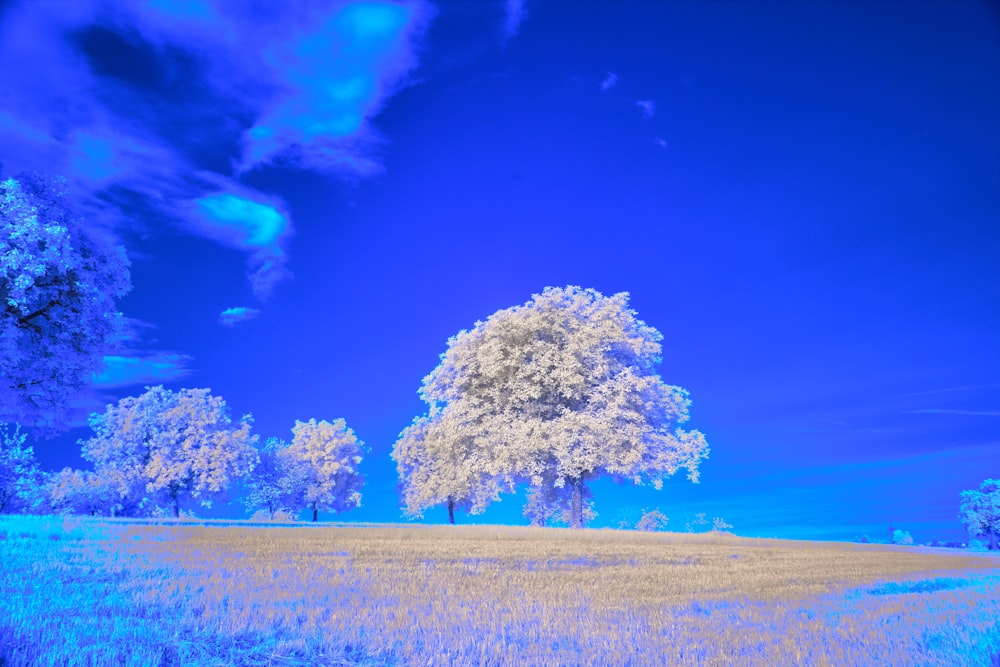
(84, 492)
(652, 521)
(20, 478)
(901, 537)
(562, 388)
(58, 317)
(435, 469)
(268, 486)
(322, 464)
(980, 512)
(170, 447)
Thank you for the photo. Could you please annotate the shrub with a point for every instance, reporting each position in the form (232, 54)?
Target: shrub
(901, 537)
(652, 521)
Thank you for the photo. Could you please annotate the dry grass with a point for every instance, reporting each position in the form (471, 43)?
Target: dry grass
(490, 595)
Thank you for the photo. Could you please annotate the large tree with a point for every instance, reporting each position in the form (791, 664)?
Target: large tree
(20, 479)
(980, 512)
(58, 318)
(169, 447)
(558, 392)
(322, 466)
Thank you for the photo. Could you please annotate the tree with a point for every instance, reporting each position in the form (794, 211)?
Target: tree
(435, 469)
(902, 537)
(268, 484)
(170, 447)
(20, 478)
(322, 464)
(980, 512)
(58, 318)
(560, 390)
(84, 492)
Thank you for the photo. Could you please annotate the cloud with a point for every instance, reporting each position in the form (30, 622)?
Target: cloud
(662, 143)
(152, 93)
(246, 220)
(120, 371)
(610, 81)
(232, 316)
(514, 15)
(648, 107)
(949, 411)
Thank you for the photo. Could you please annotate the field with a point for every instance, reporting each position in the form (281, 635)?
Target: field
(102, 593)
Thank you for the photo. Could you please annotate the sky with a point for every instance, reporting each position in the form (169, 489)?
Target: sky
(802, 197)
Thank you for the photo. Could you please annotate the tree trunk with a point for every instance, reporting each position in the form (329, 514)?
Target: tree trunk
(315, 512)
(576, 509)
(451, 511)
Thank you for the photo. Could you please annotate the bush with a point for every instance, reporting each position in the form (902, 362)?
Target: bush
(901, 537)
(652, 521)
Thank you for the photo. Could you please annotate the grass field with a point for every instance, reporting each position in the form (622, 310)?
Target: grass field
(103, 593)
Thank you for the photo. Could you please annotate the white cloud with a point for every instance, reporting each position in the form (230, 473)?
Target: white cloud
(648, 107)
(514, 15)
(610, 81)
(147, 89)
(232, 316)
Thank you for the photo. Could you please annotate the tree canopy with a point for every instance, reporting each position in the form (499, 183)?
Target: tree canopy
(165, 447)
(980, 512)
(555, 392)
(20, 478)
(58, 316)
(321, 465)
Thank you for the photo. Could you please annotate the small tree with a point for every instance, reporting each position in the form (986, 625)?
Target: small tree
(322, 464)
(58, 317)
(169, 447)
(700, 520)
(439, 463)
(901, 537)
(85, 492)
(20, 478)
(268, 486)
(980, 512)
(652, 521)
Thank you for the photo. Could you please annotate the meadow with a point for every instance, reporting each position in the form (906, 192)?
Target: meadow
(93, 592)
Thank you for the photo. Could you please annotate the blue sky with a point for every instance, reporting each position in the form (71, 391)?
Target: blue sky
(802, 197)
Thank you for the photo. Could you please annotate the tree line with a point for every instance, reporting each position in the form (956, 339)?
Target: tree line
(553, 394)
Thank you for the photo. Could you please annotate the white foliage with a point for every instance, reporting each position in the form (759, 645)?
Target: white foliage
(58, 318)
(321, 466)
(980, 512)
(20, 478)
(562, 389)
(170, 446)
(269, 485)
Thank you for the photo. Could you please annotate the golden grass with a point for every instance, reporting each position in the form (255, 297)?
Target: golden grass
(500, 595)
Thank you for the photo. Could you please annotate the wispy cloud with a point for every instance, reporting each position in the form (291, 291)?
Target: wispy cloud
(122, 371)
(648, 107)
(514, 15)
(950, 411)
(610, 81)
(233, 316)
(662, 143)
(241, 218)
(150, 93)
